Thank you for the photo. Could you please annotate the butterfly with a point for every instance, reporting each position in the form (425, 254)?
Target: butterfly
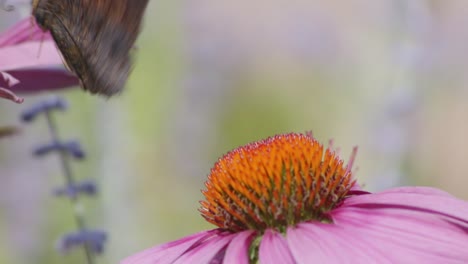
(95, 38)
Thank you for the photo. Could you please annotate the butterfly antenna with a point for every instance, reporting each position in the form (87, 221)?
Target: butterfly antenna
(40, 44)
(33, 22)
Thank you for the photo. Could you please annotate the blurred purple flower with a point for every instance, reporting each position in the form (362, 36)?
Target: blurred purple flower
(30, 62)
(287, 200)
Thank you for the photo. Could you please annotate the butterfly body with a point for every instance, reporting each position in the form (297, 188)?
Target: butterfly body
(95, 38)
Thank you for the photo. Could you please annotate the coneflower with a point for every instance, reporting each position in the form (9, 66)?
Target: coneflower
(287, 199)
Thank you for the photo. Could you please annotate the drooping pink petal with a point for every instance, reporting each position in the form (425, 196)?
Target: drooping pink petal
(205, 252)
(237, 251)
(8, 79)
(30, 55)
(6, 93)
(274, 249)
(400, 225)
(37, 80)
(168, 252)
(25, 30)
(407, 236)
(306, 248)
(316, 242)
(37, 68)
(418, 190)
(418, 199)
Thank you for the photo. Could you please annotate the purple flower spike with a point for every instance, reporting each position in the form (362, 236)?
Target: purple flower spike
(87, 187)
(71, 147)
(288, 200)
(95, 240)
(29, 55)
(44, 106)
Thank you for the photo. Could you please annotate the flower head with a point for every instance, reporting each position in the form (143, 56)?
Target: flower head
(275, 183)
(286, 199)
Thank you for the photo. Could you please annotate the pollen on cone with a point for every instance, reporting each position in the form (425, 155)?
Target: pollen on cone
(275, 183)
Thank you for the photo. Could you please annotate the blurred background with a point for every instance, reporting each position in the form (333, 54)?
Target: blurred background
(387, 76)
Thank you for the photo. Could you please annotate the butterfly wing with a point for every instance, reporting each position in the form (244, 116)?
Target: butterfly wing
(95, 38)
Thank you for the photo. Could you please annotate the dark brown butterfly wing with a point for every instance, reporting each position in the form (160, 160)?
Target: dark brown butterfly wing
(95, 38)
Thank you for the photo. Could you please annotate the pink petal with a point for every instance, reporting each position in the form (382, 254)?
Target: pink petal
(306, 248)
(38, 68)
(7, 94)
(402, 225)
(29, 55)
(25, 30)
(36, 80)
(420, 199)
(206, 252)
(274, 249)
(327, 243)
(168, 252)
(238, 250)
(419, 190)
(8, 79)
(410, 236)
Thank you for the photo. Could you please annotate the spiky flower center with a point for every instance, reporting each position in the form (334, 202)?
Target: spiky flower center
(275, 183)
